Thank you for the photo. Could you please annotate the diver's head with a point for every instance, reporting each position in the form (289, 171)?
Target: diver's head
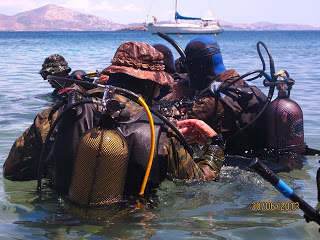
(138, 67)
(54, 65)
(179, 64)
(203, 61)
(80, 75)
(168, 57)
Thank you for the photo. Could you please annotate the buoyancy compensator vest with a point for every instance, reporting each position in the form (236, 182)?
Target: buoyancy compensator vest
(70, 128)
(245, 102)
(137, 134)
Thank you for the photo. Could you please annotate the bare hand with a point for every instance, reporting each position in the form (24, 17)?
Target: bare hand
(196, 131)
(104, 79)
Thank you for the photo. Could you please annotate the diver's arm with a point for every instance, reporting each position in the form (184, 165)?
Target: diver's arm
(180, 163)
(23, 159)
(209, 110)
(211, 161)
(197, 131)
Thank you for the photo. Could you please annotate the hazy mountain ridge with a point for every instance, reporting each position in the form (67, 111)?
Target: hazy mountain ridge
(55, 18)
(264, 26)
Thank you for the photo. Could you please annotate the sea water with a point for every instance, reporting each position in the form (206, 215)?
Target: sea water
(212, 210)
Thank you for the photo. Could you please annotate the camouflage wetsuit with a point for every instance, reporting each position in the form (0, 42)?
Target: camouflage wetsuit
(23, 159)
(180, 164)
(213, 112)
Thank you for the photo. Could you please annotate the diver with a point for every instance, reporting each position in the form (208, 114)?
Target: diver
(133, 70)
(24, 156)
(171, 159)
(111, 159)
(181, 80)
(55, 65)
(228, 111)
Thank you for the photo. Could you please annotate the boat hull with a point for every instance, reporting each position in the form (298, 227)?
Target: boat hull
(181, 29)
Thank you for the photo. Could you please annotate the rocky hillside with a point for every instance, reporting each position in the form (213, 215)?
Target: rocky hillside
(55, 18)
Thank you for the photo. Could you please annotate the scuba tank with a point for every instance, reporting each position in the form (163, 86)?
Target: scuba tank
(101, 161)
(100, 167)
(284, 120)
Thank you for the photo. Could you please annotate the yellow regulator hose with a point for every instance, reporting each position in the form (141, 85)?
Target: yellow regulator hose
(146, 176)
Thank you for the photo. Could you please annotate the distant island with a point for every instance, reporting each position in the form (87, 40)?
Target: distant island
(55, 18)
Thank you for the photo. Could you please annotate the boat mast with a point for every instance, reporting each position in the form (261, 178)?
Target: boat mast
(176, 10)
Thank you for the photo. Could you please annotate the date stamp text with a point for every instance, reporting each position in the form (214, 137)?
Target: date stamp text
(275, 206)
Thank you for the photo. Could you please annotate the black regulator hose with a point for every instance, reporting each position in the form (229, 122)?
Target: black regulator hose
(271, 78)
(46, 142)
(174, 128)
(56, 83)
(272, 69)
(173, 43)
(79, 82)
(224, 87)
(134, 97)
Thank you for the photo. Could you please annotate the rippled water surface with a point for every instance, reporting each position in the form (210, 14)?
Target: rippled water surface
(214, 210)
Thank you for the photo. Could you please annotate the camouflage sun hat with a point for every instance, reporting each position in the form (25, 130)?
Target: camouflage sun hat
(139, 60)
(54, 64)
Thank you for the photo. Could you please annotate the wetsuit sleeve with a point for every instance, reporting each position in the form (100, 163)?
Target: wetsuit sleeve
(208, 110)
(23, 159)
(182, 166)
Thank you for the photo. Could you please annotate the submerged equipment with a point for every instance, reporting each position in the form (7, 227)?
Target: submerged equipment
(311, 214)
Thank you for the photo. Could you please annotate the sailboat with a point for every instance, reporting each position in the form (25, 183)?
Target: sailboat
(206, 26)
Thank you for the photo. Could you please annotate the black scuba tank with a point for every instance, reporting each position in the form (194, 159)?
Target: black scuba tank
(284, 125)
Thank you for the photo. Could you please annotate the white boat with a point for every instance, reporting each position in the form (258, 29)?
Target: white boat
(206, 26)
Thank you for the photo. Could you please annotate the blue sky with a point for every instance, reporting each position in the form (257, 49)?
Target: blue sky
(138, 11)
